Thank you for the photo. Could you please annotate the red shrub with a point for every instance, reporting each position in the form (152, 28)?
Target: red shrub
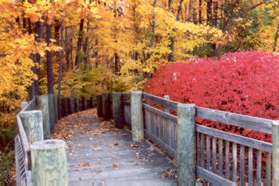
(244, 82)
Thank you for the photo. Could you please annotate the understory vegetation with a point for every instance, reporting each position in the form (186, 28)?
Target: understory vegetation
(243, 82)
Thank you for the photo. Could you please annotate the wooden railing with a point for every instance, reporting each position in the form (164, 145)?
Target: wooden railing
(221, 158)
(35, 123)
(22, 148)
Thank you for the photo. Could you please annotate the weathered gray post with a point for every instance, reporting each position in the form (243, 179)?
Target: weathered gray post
(23, 104)
(137, 116)
(116, 109)
(166, 97)
(49, 163)
(33, 124)
(275, 153)
(186, 155)
(44, 107)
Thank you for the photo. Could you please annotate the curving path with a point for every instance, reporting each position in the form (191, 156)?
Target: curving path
(101, 155)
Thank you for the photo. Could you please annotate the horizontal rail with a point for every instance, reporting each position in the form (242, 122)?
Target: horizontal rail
(213, 178)
(249, 142)
(161, 113)
(167, 103)
(243, 121)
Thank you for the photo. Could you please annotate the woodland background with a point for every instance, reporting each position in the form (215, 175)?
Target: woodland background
(86, 47)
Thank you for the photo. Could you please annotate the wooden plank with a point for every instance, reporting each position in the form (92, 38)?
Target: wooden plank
(208, 153)
(220, 148)
(160, 112)
(242, 165)
(214, 155)
(243, 121)
(259, 168)
(227, 160)
(256, 144)
(250, 167)
(268, 170)
(202, 149)
(234, 153)
(172, 105)
(214, 179)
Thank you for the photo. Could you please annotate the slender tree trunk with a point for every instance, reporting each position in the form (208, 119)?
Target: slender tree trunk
(276, 39)
(61, 62)
(35, 83)
(172, 39)
(153, 24)
(200, 11)
(79, 43)
(179, 10)
(50, 78)
(215, 13)
(209, 12)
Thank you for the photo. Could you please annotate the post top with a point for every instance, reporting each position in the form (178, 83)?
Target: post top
(183, 105)
(137, 92)
(275, 122)
(48, 144)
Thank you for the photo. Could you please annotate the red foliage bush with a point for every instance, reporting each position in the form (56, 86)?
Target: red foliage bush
(243, 82)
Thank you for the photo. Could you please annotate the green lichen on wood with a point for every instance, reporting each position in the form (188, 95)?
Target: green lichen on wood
(137, 116)
(33, 125)
(49, 163)
(44, 107)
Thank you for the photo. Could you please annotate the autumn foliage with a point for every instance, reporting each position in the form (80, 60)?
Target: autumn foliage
(243, 82)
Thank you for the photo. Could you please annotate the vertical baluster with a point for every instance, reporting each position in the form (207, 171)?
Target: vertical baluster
(208, 152)
(268, 169)
(234, 162)
(259, 168)
(250, 167)
(198, 147)
(202, 150)
(227, 162)
(242, 165)
(214, 155)
(220, 147)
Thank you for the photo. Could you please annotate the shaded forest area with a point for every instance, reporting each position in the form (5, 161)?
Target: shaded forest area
(86, 47)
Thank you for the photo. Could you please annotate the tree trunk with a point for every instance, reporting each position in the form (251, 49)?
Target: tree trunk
(172, 39)
(79, 43)
(35, 83)
(276, 39)
(209, 12)
(200, 11)
(50, 79)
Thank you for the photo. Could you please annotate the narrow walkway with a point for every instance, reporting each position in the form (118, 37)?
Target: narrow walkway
(101, 155)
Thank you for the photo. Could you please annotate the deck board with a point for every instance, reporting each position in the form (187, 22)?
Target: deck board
(100, 154)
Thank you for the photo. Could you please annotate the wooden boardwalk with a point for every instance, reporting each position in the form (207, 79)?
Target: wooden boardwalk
(102, 155)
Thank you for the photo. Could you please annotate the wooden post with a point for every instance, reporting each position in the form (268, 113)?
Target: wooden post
(185, 153)
(56, 108)
(33, 125)
(49, 163)
(99, 106)
(23, 105)
(106, 109)
(275, 153)
(137, 116)
(44, 107)
(116, 110)
(166, 97)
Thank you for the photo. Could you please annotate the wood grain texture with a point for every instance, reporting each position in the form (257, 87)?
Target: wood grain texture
(186, 148)
(49, 163)
(137, 117)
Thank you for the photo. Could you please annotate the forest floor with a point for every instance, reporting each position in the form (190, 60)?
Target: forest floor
(99, 154)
